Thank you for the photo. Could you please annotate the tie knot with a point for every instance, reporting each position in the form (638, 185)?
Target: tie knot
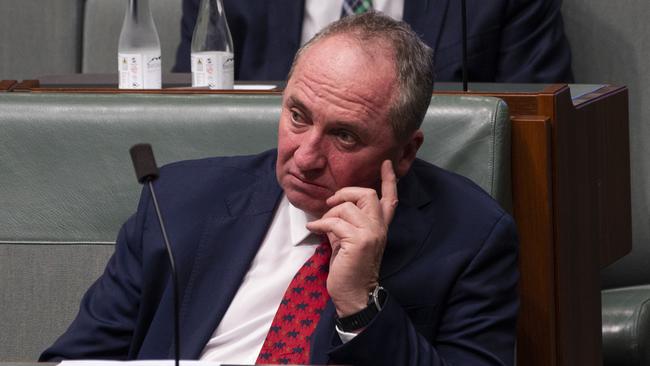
(355, 7)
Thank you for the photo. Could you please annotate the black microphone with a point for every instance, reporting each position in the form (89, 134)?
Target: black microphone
(147, 171)
(144, 163)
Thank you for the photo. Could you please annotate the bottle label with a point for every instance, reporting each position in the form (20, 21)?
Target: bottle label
(139, 70)
(214, 69)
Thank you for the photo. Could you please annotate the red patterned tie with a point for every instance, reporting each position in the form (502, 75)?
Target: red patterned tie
(303, 302)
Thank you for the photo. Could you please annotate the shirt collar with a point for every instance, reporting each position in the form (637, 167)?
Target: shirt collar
(297, 221)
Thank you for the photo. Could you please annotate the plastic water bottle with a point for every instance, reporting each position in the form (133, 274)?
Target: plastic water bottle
(213, 59)
(138, 58)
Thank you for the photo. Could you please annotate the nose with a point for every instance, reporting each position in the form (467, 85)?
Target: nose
(310, 155)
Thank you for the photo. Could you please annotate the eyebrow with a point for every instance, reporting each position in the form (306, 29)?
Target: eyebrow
(293, 101)
(348, 125)
(354, 127)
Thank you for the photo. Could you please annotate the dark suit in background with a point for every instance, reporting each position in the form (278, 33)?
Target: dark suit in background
(450, 267)
(508, 40)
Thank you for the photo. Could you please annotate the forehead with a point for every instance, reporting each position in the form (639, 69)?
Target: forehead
(349, 62)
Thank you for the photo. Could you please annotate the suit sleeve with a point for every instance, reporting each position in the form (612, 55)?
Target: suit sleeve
(534, 48)
(105, 323)
(478, 326)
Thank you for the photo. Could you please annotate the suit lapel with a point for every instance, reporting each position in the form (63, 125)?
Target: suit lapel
(409, 228)
(227, 248)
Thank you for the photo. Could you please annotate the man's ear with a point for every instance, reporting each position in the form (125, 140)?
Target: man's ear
(408, 152)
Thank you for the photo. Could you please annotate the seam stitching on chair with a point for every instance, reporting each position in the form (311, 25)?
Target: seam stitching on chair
(637, 329)
(492, 135)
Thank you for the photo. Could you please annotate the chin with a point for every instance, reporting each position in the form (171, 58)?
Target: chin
(311, 206)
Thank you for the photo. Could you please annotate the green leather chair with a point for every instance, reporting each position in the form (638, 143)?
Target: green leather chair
(67, 184)
(626, 325)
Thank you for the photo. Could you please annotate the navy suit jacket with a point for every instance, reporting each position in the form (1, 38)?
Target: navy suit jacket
(508, 40)
(450, 267)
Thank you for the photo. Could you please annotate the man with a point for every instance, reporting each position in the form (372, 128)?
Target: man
(508, 40)
(421, 273)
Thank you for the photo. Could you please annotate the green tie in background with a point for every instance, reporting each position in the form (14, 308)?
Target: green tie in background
(355, 7)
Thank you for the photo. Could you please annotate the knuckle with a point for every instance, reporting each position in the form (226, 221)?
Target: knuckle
(369, 192)
(337, 221)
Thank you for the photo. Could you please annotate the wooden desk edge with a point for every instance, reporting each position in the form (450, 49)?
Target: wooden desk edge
(7, 85)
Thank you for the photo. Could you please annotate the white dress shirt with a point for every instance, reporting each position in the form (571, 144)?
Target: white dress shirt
(319, 13)
(240, 335)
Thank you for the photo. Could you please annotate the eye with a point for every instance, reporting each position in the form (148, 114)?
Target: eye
(296, 117)
(347, 138)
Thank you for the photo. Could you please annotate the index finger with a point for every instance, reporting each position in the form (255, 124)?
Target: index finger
(388, 200)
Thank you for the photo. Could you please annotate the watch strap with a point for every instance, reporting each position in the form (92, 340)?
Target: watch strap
(361, 319)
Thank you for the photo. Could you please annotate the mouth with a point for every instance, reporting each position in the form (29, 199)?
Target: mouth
(308, 184)
(305, 180)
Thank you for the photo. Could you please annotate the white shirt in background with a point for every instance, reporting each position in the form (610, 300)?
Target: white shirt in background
(319, 13)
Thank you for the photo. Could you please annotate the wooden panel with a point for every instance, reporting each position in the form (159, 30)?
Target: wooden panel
(592, 213)
(521, 104)
(6, 85)
(589, 190)
(146, 91)
(606, 115)
(532, 207)
(26, 85)
(107, 84)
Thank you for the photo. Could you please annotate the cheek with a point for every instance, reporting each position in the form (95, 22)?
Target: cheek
(285, 143)
(344, 170)
(351, 171)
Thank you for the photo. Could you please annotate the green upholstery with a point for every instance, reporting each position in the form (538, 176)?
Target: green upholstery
(67, 183)
(626, 330)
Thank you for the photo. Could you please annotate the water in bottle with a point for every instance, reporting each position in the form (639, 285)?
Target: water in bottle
(139, 61)
(213, 61)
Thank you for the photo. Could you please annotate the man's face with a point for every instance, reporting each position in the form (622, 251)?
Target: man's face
(334, 130)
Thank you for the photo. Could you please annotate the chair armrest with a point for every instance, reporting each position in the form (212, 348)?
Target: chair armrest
(626, 326)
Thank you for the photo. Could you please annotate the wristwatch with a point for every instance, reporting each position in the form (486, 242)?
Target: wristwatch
(361, 319)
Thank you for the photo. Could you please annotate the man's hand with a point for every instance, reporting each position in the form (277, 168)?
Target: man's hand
(357, 225)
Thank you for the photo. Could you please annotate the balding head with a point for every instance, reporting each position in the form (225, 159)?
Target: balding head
(412, 59)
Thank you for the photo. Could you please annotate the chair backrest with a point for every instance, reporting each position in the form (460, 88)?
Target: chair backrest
(67, 183)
